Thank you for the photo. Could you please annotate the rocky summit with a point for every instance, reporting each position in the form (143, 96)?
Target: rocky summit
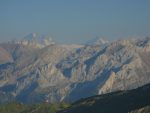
(39, 70)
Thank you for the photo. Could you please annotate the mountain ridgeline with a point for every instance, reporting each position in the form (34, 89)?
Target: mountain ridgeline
(36, 69)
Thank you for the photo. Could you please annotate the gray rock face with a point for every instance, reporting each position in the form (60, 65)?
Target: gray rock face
(57, 73)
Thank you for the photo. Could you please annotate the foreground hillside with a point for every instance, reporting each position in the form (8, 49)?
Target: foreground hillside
(142, 110)
(36, 108)
(133, 101)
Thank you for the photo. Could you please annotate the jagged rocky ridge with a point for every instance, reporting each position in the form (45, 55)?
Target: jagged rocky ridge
(56, 72)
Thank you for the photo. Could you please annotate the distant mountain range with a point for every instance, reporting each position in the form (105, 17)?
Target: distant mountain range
(37, 69)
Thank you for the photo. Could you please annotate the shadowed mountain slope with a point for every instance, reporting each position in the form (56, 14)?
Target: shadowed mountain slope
(118, 102)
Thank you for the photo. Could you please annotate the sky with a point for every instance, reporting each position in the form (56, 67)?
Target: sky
(75, 21)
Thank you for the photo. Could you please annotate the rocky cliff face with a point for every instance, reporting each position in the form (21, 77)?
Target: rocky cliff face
(57, 72)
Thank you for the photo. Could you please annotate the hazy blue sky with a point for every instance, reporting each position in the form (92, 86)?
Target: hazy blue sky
(75, 21)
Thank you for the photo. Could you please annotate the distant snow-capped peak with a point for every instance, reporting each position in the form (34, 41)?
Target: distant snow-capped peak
(97, 41)
(37, 41)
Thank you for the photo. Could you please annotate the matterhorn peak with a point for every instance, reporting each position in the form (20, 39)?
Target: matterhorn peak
(30, 36)
(36, 41)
